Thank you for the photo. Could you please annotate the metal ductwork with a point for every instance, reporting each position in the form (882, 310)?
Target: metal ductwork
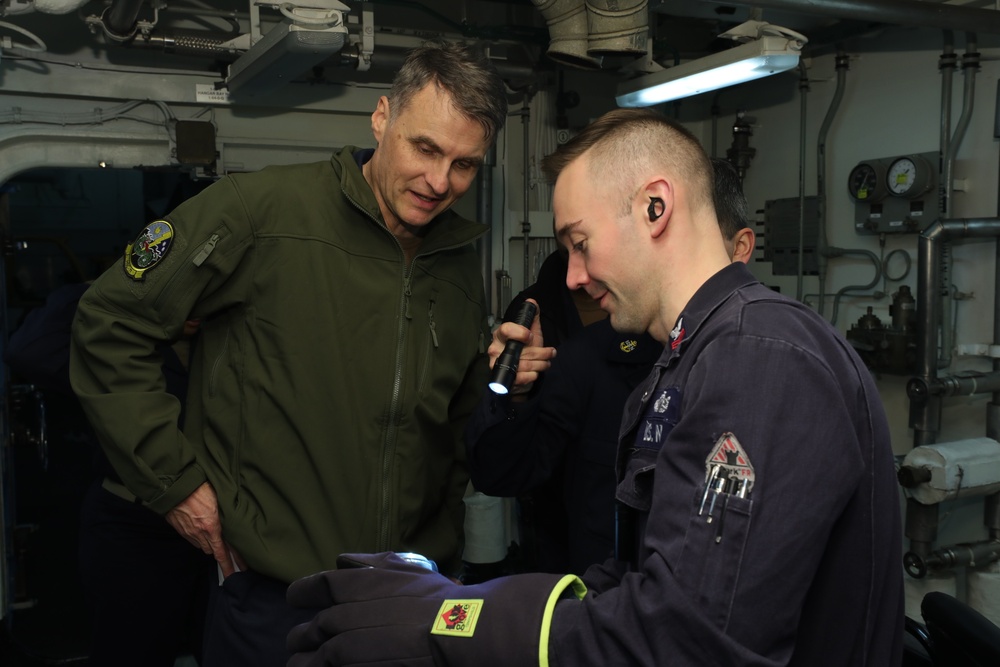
(567, 21)
(617, 27)
(582, 32)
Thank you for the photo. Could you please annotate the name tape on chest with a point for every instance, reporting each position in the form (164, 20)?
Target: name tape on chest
(659, 419)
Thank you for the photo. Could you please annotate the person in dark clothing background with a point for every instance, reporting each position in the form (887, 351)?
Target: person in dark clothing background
(146, 587)
(541, 514)
(557, 455)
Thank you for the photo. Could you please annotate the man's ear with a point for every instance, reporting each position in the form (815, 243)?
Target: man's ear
(658, 205)
(380, 118)
(744, 243)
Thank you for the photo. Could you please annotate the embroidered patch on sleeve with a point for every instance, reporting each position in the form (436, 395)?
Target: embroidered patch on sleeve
(457, 618)
(729, 464)
(148, 249)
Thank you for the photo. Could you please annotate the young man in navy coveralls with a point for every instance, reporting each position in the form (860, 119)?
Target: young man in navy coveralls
(563, 438)
(761, 519)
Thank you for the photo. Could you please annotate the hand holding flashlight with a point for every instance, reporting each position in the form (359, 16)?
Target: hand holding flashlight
(505, 368)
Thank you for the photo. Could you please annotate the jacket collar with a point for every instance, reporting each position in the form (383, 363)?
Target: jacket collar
(448, 230)
(709, 297)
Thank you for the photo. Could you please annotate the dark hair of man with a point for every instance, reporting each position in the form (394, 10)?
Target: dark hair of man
(730, 204)
(625, 143)
(461, 70)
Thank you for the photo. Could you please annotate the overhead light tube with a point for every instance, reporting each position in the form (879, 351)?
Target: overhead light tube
(752, 60)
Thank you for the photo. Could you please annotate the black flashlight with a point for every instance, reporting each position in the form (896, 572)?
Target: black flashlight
(505, 368)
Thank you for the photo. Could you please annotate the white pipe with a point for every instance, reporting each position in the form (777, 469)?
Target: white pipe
(953, 470)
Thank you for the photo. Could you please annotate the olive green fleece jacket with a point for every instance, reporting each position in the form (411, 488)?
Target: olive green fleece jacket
(330, 384)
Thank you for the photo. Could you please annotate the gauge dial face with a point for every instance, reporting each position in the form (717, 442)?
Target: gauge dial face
(864, 183)
(908, 177)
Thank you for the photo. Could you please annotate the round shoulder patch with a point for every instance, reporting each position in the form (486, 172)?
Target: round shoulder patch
(148, 249)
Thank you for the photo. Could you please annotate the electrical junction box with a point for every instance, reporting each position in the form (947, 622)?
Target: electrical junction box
(895, 195)
(783, 221)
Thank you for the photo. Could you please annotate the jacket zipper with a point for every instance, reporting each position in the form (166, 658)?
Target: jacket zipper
(432, 344)
(206, 250)
(389, 441)
(430, 318)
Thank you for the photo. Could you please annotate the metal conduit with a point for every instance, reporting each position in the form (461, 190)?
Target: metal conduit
(895, 12)
(970, 66)
(822, 239)
(926, 405)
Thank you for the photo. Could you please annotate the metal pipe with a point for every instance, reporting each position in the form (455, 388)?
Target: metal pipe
(968, 385)
(921, 527)
(970, 65)
(392, 57)
(925, 409)
(974, 554)
(822, 244)
(894, 12)
(800, 272)
(120, 17)
(993, 410)
(947, 63)
(189, 44)
(991, 515)
(876, 279)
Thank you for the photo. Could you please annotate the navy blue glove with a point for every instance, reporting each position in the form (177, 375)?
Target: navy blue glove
(379, 610)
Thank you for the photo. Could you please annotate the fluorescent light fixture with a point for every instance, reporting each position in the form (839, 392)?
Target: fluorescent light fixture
(746, 62)
(286, 51)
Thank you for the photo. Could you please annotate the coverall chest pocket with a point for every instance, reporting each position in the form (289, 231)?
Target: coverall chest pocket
(711, 558)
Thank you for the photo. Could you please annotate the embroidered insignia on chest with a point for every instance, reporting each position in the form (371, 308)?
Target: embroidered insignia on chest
(457, 618)
(148, 249)
(677, 334)
(729, 461)
(661, 416)
(628, 345)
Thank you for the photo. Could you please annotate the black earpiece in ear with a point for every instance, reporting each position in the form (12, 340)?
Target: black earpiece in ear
(654, 214)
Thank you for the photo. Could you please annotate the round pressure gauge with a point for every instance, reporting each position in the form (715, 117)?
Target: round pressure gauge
(909, 176)
(866, 182)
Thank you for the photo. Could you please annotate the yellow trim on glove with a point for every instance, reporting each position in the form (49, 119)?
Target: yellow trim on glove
(579, 590)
